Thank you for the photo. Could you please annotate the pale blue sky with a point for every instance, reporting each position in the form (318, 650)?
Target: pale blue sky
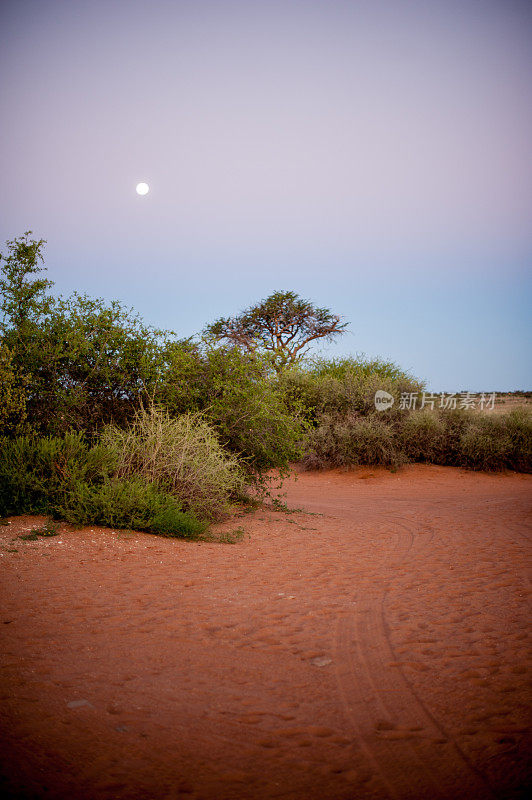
(371, 156)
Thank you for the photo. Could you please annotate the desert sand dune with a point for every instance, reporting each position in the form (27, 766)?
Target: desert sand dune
(372, 645)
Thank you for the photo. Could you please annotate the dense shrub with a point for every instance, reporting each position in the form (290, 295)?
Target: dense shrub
(344, 386)
(484, 445)
(88, 363)
(449, 437)
(13, 416)
(470, 439)
(36, 474)
(171, 521)
(68, 479)
(350, 440)
(81, 362)
(180, 455)
(456, 423)
(519, 432)
(421, 436)
(498, 442)
(133, 503)
(236, 393)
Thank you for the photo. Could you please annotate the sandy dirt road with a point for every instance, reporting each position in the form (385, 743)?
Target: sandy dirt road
(373, 645)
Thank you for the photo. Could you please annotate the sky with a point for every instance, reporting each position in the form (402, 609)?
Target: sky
(372, 156)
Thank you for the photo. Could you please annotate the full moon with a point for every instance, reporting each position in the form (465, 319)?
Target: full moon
(142, 188)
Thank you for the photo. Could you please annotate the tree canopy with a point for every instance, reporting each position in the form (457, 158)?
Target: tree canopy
(78, 362)
(283, 326)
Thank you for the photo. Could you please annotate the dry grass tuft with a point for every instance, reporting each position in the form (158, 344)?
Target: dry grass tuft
(182, 455)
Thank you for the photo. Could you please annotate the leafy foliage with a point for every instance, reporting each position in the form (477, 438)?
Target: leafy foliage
(82, 362)
(96, 364)
(236, 394)
(344, 386)
(359, 365)
(133, 504)
(24, 298)
(13, 416)
(171, 521)
(68, 479)
(37, 474)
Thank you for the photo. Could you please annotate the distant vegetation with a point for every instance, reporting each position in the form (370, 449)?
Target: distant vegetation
(107, 420)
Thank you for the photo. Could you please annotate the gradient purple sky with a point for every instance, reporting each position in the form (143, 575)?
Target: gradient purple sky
(371, 156)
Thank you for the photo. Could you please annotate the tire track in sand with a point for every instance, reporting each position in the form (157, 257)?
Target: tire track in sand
(405, 743)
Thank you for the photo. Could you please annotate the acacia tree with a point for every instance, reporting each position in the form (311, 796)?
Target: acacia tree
(283, 326)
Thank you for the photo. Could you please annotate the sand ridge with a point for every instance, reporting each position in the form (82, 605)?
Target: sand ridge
(373, 645)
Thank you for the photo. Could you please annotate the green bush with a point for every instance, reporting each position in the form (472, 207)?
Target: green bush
(350, 440)
(344, 386)
(80, 362)
(132, 503)
(173, 522)
(237, 394)
(456, 423)
(180, 455)
(68, 479)
(13, 416)
(342, 368)
(519, 431)
(421, 436)
(496, 442)
(89, 363)
(484, 446)
(455, 437)
(464, 438)
(37, 473)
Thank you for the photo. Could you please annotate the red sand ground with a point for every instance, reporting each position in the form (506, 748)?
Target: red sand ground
(374, 648)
